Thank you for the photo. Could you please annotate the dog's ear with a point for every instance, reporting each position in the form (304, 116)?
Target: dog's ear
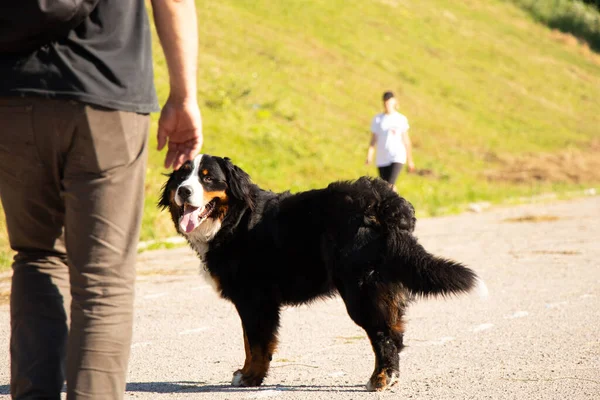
(239, 184)
(165, 197)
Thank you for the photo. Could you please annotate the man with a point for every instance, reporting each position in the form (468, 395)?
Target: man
(73, 148)
(390, 134)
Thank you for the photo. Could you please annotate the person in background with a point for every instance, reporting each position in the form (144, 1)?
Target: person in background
(74, 119)
(390, 134)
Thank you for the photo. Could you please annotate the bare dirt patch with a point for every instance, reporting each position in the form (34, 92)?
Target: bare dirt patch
(567, 166)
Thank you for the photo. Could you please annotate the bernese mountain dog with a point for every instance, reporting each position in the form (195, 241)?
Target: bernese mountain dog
(263, 250)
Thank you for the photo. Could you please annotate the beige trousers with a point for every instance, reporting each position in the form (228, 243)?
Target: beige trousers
(72, 188)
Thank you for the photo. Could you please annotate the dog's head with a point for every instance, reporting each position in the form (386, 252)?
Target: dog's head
(202, 191)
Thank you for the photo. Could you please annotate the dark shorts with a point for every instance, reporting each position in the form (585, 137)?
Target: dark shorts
(389, 173)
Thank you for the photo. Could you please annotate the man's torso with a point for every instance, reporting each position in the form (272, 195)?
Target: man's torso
(105, 61)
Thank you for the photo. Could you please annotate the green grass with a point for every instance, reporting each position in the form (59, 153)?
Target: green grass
(288, 88)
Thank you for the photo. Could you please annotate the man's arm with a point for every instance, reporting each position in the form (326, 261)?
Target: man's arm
(180, 123)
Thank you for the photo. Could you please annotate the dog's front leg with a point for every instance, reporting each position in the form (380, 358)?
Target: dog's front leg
(260, 326)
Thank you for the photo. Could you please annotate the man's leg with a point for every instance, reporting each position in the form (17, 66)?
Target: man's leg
(30, 193)
(104, 193)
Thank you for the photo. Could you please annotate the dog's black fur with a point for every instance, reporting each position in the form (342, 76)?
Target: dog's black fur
(352, 238)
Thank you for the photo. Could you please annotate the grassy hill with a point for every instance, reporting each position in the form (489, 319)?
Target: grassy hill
(501, 106)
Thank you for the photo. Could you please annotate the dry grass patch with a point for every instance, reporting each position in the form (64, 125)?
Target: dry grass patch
(561, 252)
(4, 297)
(582, 46)
(532, 218)
(575, 166)
(167, 271)
(351, 339)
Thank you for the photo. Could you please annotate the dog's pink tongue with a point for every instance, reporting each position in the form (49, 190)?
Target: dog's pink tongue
(190, 219)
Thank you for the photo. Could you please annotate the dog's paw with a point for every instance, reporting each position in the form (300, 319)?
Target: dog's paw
(382, 380)
(239, 380)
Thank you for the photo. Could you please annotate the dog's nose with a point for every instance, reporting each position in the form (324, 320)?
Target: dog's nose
(184, 192)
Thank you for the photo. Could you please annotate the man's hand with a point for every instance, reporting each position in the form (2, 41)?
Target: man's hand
(180, 124)
(180, 128)
(411, 166)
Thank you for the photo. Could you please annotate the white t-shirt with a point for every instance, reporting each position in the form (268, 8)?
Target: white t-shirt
(390, 130)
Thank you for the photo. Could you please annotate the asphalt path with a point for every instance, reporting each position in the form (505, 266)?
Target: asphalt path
(536, 336)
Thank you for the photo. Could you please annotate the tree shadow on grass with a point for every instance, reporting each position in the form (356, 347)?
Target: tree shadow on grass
(577, 28)
(581, 21)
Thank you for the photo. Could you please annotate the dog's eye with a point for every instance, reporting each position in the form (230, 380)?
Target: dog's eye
(207, 179)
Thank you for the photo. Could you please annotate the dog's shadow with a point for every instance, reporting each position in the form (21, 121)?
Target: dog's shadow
(201, 387)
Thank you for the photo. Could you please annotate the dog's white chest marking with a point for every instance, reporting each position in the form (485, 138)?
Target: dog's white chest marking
(199, 240)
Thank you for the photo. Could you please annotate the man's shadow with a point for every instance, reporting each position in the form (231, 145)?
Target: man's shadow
(201, 387)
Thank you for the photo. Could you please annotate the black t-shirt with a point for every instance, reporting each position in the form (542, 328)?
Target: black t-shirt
(105, 61)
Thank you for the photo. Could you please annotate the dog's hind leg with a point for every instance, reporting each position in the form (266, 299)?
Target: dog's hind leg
(378, 309)
(387, 344)
(260, 326)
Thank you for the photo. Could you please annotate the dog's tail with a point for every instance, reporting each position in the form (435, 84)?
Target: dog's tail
(427, 275)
